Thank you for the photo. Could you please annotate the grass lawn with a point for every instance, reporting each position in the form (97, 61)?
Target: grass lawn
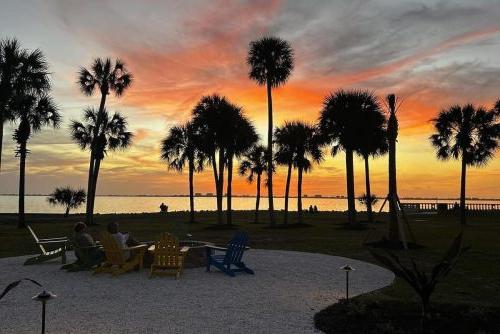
(476, 279)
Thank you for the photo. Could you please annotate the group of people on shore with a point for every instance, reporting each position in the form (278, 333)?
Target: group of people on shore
(313, 209)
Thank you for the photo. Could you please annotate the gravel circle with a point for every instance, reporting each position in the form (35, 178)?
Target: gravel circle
(288, 288)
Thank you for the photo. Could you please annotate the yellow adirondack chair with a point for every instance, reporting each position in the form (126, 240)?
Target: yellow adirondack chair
(168, 256)
(116, 262)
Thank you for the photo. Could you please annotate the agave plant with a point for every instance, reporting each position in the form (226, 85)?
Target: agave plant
(421, 281)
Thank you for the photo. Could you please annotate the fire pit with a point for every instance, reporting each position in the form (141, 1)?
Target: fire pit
(196, 257)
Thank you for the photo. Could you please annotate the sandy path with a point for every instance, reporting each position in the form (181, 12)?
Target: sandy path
(288, 288)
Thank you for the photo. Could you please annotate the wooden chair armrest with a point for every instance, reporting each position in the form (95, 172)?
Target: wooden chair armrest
(53, 239)
(135, 247)
(184, 249)
(216, 248)
(52, 242)
(222, 248)
(90, 247)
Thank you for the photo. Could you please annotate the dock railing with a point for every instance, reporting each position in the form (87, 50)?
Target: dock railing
(449, 207)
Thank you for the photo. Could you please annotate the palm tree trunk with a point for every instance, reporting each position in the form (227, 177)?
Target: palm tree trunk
(22, 168)
(287, 191)
(191, 194)
(94, 186)
(392, 196)
(272, 221)
(463, 211)
(257, 199)
(220, 190)
(351, 204)
(229, 214)
(368, 190)
(88, 214)
(3, 103)
(392, 135)
(90, 182)
(299, 194)
(1, 135)
(216, 180)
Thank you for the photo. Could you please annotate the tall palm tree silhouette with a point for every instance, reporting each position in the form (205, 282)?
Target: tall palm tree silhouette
(181, 147)
(468, 133)
(32, 111)
(308, 150)
(271, 61)
(100, 133)
(254, 163)
(392, 196)
(340, 126)
(20, 70)
(106, 77)
(372, 142)
(241, 136)
(207, 119)
(284, 138)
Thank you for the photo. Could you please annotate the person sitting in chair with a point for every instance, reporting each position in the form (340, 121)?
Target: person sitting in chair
(86, 251)
(125, 240)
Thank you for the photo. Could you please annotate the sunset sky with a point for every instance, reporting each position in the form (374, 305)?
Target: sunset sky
(430, 53)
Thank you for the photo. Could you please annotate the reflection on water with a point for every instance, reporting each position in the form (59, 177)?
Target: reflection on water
(118, 204)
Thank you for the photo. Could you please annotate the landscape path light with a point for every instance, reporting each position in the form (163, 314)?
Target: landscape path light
(44, 297)
(347, 268)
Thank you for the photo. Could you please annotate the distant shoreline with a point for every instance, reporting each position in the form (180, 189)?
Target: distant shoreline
(304, 197)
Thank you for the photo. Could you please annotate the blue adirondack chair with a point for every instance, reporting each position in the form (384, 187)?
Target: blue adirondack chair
(231, 257)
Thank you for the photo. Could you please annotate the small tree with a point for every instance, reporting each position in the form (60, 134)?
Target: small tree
(369, 201)
(67, 197)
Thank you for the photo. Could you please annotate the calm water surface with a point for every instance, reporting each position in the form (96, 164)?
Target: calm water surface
(139, 204)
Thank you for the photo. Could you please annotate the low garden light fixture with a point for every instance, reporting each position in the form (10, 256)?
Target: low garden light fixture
(347, 268)
(44, 297)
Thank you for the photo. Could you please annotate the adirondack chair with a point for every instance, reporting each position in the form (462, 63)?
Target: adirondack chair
(232, 256)
(168, 256)
(116, 257)
(87, 258)
(57, 248)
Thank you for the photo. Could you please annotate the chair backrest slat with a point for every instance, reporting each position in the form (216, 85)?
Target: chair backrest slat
(167, 251)
(235, 248)
(114, 254)
(36, 239)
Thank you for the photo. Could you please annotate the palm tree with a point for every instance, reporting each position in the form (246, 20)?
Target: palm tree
(105, 77)
(100, 133)
(208, 121)
(307, 150)
(392, 196)
(340, 126)
(241, 137)
(21, 71)
(372, 142)
(67, 197)
(468, 133)
(253, 164)
(284, 138)
(32, 111)
(181, 146)
(271, 61)
(368, 200)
